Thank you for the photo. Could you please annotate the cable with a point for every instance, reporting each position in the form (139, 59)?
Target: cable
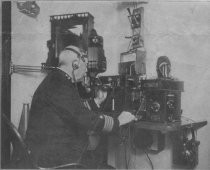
(191, 123)
(26, 68)
(130, 144)
(75, 81)
(149, 159)
(125, 150)
(125, 139)
(188, 119)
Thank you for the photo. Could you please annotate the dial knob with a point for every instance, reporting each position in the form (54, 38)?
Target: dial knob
(155, 107)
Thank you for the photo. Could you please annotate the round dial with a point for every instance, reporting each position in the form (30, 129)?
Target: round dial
(155, 107)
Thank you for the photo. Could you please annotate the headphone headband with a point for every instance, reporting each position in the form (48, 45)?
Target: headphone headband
(75, 64)
(75, 51)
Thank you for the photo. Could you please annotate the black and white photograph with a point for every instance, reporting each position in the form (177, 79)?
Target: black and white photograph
(101, 84)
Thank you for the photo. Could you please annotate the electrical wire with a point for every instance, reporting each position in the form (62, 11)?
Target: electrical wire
(191, 123)
(149, 159)
(125, 150)
(129, 146)
(144, 150)
(188, 119)
(125, 139)
(26, 68)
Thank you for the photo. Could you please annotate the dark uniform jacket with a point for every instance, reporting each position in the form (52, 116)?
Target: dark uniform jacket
(59, 121)
(97, 156)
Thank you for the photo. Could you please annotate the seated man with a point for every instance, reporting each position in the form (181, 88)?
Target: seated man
(59, 122)
(97, 149)
(100, 94)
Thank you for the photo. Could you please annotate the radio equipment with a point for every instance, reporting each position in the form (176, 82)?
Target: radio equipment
(163, 100)
(96, 56)
(186, 149)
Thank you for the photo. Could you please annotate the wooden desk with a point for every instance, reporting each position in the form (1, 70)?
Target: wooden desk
(170, 127)
(165, 136)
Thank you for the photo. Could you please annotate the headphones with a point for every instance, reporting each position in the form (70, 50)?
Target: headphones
(163, 67)
(75, 64)
(189, 152)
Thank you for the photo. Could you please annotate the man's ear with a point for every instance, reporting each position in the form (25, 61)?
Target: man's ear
(75, 64)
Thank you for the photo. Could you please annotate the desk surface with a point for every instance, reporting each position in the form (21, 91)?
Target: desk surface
(169, 127)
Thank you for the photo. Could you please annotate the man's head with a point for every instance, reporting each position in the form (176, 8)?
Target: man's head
(73, 62)
(100, 93)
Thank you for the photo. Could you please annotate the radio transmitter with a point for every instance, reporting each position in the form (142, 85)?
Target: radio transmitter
(163, 100)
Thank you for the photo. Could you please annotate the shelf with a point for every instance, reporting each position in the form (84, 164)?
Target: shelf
(170, 127)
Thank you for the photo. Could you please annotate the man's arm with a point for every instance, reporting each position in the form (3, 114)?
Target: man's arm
(70, 108)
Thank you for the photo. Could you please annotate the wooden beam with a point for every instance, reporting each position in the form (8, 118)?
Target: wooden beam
(5, 79)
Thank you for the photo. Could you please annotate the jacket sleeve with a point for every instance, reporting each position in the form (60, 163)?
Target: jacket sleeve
(69, 107)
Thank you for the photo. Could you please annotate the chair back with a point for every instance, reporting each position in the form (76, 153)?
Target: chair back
(20, 155)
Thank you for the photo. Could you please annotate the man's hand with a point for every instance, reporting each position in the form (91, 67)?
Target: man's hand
(126, 117)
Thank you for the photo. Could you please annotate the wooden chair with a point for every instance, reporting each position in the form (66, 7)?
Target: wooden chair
(21, 157)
